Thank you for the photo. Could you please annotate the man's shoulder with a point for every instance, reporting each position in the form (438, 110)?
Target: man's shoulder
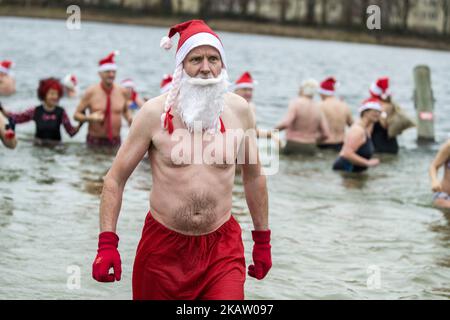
(237, 104)
(91, 89)
(155, 106)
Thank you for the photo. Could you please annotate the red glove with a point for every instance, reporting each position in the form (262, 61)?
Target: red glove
(107, 257)
(9, 134)
(262, 257)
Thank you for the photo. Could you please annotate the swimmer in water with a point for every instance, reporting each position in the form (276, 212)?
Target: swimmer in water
(357, 152)
(338, 115)
(134, 102)
(70, 84)
(107, 104)
(48, 116)
(304, 123)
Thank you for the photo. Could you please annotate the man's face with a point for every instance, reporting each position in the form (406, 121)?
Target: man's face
(108, 77)
(246, 93)
(203, 62)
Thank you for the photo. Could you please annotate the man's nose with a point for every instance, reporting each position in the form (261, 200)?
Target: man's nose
(205, 66)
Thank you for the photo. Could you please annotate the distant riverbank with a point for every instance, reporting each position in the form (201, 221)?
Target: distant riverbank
(319, 33)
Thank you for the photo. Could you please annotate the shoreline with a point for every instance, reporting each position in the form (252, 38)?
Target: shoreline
(237, 26)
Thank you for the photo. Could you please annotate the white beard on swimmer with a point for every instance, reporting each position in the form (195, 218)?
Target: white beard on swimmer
(201, 101)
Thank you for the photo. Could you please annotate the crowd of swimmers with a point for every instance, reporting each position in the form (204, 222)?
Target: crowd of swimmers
(310, 126)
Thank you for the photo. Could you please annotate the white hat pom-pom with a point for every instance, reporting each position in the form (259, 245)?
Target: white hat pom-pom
(116, 52)
(166, 43)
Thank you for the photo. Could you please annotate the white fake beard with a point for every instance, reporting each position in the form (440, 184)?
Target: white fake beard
(201, 101)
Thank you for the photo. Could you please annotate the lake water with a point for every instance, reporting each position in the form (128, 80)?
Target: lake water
(375, 237)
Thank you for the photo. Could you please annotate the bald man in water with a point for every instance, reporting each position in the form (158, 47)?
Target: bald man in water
(107, 104)
(191, 246)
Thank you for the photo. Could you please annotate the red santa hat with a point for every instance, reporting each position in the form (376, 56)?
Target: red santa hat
(371, 104)
(193, 33)
(166, 83)
(128, 83)
(245, 82)
(380, 88)
(5, 66)
(108, 63)
(328, 87)
(70, 81)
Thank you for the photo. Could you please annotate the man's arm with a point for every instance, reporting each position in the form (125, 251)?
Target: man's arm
(350, 120)
(290, 117)
(80, 112)
(439, 161)
(128, 157)
(254, 181)
(127, 114)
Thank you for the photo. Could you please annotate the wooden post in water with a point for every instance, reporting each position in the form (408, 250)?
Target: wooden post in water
(424, 103)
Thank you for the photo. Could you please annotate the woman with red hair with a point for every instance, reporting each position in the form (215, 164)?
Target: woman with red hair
(48, 116)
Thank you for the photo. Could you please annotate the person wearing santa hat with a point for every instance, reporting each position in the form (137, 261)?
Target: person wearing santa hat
(244, 87)
(48, 116)
(380, 137)
(7, 134)
(357, 152)
(304, 123)
(441, 188)
(70, 84)
(191, 246)
(107, 104)
(134, 101)
(166, 83)
(338, 115)
(7, 81)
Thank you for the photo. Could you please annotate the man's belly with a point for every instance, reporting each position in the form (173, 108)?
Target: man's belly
(193, 213)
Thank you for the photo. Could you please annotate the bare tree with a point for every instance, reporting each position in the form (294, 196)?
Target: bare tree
(311, 12)
(324, 5)
(284, 6)
(446, 13)
(205, 9)
(244, 7)
(166, 7)
(347, 13)
(405, 13)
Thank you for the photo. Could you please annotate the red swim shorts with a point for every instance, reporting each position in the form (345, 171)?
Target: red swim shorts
(172, 266)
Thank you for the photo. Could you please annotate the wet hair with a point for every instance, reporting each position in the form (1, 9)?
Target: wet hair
(46, 84)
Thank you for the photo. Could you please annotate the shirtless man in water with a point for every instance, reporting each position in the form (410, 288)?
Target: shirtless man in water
(338, 115)
(304, 123)
(191, 246)
(441, 189)
(107, 103)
